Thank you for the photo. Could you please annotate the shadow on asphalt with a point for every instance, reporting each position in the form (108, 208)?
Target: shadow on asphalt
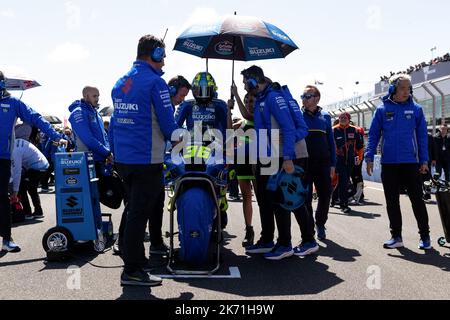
(80, 255)
(431, 257)
(360, 214)
(145, 293)
(260, 277)
(17, 262)
(26, 223)
(337, 252)
(369, 203)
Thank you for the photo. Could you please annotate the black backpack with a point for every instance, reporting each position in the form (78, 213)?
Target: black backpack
(111, 190)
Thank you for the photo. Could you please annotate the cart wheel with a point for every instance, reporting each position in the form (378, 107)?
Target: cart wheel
(441, 241)
(57, 239)
(99, 246)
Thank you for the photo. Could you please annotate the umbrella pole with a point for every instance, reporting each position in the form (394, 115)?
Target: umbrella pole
(207, 65)
(232, 78)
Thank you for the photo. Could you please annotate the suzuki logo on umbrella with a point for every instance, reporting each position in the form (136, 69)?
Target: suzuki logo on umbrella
(72, 201)
(191, 45)
(224, 48)
(255, 51)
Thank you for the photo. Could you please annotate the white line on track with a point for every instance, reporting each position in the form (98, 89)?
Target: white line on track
(234, 274)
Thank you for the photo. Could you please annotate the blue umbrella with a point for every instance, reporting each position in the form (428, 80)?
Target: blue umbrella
(236, 38)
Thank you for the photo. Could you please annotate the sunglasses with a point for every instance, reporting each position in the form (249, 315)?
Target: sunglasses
(308, 96)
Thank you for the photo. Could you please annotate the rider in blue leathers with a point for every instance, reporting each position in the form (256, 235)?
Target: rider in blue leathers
(206, 112)
(205, 108)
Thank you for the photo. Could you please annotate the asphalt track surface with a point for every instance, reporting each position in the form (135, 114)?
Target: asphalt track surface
(351, 264)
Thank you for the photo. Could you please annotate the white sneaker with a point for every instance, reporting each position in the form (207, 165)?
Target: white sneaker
(10, 246)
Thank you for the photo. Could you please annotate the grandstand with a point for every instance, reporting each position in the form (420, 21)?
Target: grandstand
(431, 85)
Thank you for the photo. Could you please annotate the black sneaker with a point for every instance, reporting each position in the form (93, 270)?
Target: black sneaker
(249, 237)
(38, 214)
(139, 278)
(29, 217)
(161, 249)
(346, 210)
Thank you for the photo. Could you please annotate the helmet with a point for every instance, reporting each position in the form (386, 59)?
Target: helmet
(290, 189)
(204, 86)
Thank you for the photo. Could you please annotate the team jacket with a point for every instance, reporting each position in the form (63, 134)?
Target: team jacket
(320, 140)
(12, 108)
(349, 145)
(143, 116)
(404, 131)
(88, 129)
(272, 111)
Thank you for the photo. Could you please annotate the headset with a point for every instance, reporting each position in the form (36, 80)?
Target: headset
(158, 53)
(252, 83)
(174, 87)
(394, 85)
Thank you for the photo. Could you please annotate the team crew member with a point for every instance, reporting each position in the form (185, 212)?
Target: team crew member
(322, 156)
(402, 124)
(356, 176)
(348, 147)
(272, 111)
(442, 141)
(28, 166)
(87, 124)
(12, 108)
(90, 135)
(143, 122)
(179, 88)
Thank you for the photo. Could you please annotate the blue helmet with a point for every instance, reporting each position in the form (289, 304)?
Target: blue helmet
(290, 190)
(204, 87)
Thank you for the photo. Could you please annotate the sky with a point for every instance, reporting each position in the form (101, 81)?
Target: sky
(68, 44)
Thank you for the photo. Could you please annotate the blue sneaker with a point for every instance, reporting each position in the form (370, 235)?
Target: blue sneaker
(307, 248)
(321, 234)
(279, 252)
(394, 243)
(425, 244)
(260, 247)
